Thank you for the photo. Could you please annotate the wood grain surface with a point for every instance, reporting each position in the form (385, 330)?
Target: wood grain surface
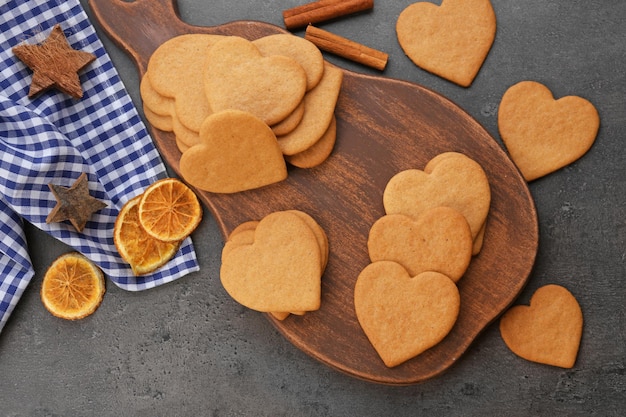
(383, 126)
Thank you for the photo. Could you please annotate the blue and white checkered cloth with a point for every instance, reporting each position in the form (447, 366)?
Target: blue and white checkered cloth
(53, 138)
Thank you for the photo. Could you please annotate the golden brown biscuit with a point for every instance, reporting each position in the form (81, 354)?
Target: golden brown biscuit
(451, 40)
(237, 76)
(244, 235)
(548, 331)
(478, 236)
(542, 134)
(438, 240)
(237, 152)
(280, 271)
(455, 181)
(401, 315)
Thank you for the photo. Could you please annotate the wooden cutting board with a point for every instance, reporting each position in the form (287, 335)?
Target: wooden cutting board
(383, 126)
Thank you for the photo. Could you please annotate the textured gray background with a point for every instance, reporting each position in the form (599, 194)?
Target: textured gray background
(187, 349)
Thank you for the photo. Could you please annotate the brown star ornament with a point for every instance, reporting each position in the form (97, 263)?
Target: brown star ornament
(55, 64)
(74, 203)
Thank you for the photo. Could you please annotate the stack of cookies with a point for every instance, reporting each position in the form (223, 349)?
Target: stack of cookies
(406, 299)
(275, 265)
(241, 109)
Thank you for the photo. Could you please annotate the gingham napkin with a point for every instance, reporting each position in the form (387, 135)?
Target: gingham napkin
(53, 138)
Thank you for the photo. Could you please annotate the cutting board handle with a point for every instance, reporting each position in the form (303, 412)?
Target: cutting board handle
(146, 23)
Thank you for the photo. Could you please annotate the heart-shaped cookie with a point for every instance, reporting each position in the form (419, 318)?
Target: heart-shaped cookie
(237, 152)
(439, 240)
(548, 331)
(280, 271)
(451, 40)
(542, 134)
(452, 180)
(403, 316)
(238, 76)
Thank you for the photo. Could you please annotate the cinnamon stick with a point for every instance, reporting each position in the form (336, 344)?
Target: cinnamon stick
(322, 10)
(346, 48)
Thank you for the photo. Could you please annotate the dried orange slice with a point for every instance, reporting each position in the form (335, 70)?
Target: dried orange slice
(169, 210)
(73, 287)
(143, 253)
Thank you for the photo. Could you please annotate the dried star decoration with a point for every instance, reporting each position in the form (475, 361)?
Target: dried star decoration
(74, 203)
(55, 64)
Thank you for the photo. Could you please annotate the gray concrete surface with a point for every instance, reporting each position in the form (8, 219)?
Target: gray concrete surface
(186, 349)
